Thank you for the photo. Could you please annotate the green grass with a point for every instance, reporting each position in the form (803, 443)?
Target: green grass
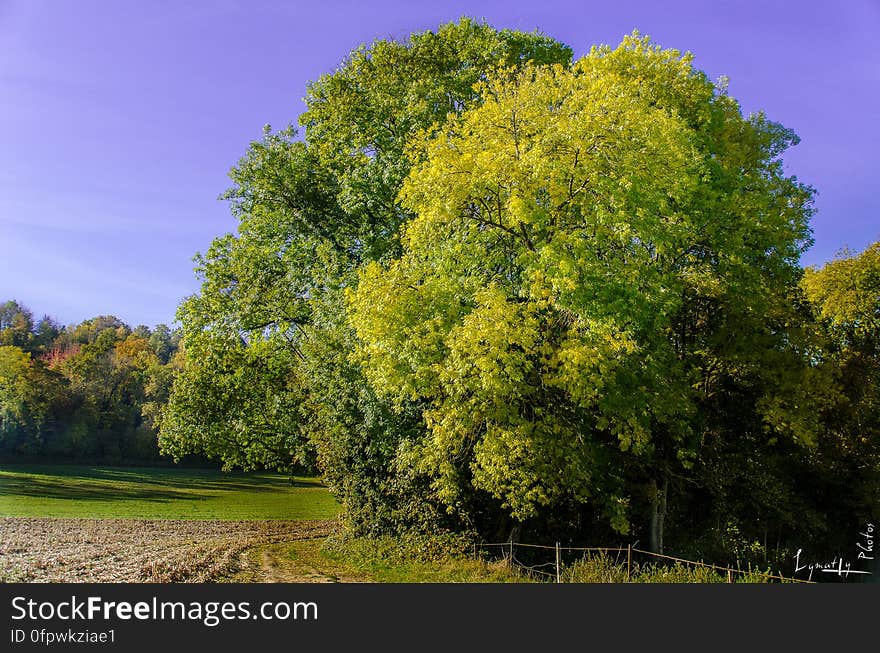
(428, 559)
(357, 560)
(389, 560)
(604, 569)
(158, 493)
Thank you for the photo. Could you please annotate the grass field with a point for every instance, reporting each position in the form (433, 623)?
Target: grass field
(361, 561)
(158, 493)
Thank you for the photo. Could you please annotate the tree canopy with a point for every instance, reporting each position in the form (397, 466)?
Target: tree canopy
(311, 212)
(489, 288)
(596, 251)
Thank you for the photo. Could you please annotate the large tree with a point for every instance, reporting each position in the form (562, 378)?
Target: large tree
(596, 253)
(31, 396)
(270, 313)
(16, 325)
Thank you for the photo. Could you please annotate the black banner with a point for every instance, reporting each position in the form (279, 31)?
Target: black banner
(425, 617)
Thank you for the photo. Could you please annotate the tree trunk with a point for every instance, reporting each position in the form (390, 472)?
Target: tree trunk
(652, 531)
(765, 542)
(658, 514)
(661, 517)
(515, 532)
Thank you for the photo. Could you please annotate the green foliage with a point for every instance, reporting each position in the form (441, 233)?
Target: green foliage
(18, 329)
(846, 294)
(16, 324)
(163, 341)
(311, 212)
(356, 436)
(595, 252)
(489, 289)
(27, 390)
(238, 402)
(845, 465)
(361, 119)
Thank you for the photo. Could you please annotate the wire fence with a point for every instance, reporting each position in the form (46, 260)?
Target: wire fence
(554, 570)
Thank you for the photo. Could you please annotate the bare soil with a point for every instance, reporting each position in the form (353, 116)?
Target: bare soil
(169, 551)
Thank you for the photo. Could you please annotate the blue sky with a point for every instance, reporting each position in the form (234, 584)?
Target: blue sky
(119, 120)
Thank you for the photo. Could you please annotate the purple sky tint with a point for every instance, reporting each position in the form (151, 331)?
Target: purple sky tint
(119, 120)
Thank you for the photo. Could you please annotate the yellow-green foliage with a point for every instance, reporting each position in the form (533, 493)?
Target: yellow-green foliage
(846, 291)
(573, 236)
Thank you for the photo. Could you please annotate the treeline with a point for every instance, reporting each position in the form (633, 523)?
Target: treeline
(88, 392)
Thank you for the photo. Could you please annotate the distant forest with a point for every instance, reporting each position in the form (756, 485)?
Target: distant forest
(87, 392)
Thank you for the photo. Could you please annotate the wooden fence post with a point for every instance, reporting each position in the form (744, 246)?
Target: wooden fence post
(730, 575)
(557, 562)
(628, 562)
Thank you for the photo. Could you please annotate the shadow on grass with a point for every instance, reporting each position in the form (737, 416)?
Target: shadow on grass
(150, 484)
(80, 491)
(205, 479)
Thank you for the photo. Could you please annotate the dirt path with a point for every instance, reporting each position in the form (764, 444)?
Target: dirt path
(297, 561)
(275, 568)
